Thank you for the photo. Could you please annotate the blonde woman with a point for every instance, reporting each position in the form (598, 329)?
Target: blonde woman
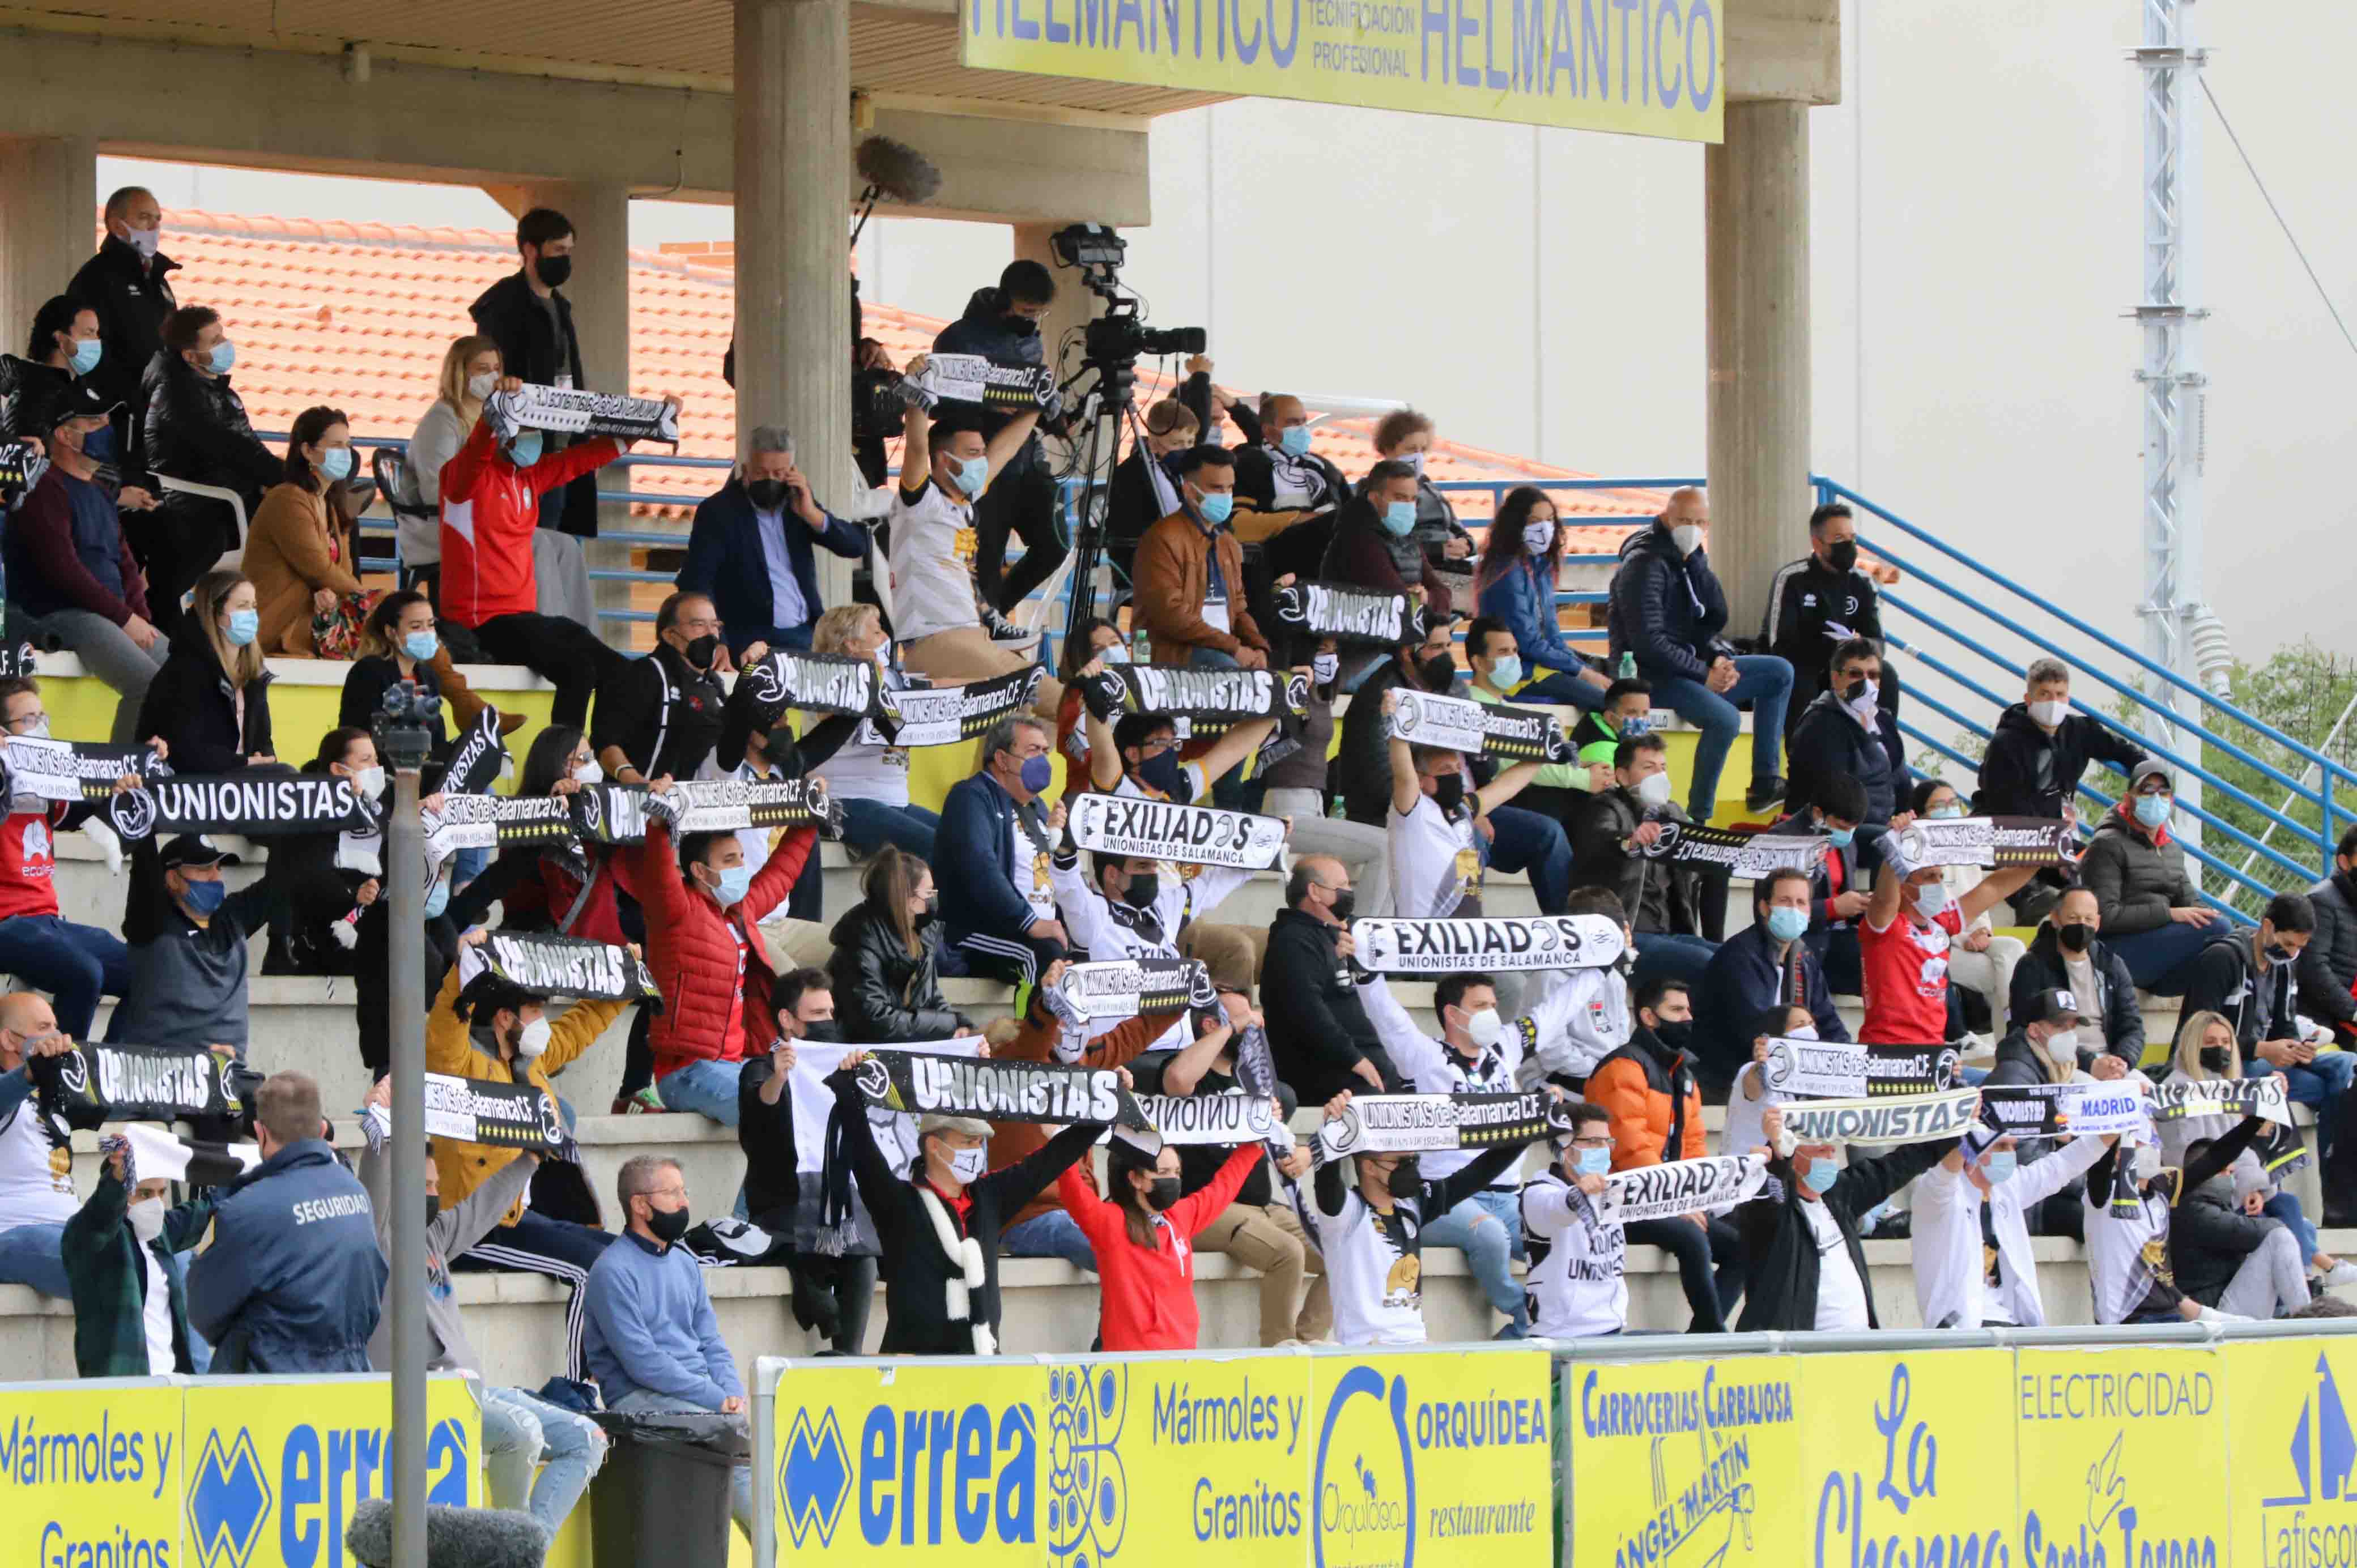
(2206, 1049)
(211, 702)
(869, 777)
(471, 369)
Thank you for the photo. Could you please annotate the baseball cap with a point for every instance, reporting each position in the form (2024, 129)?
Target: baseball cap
(76, 400)
(2053, 1005)
(2152, 767)
(190, 849)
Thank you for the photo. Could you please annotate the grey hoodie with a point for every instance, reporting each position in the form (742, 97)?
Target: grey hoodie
(454, 1231)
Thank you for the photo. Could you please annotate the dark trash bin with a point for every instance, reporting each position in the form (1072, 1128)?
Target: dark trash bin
(661, 1499)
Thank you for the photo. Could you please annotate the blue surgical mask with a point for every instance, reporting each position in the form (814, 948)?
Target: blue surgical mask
(99, 445)
(524, 450)
(2152, 810)
(1591, 1162)
(204, 898)
(1841, 836)
(1506, 672)
(421, 645)
(1820, 1177)
(1399, 517)
(1943, 813)
(1631, 728)
(437, 898)
(244, 627)
(1038, 772)
(225, 355)
(86, 354)
(336, 463)
(1295, 441)
(1216, 505)
(1998, 1166)
(1787, 924)
(973, 474)
(736, 881)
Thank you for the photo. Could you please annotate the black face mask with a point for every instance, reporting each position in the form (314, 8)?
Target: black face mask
(554, 270)
(2216, 1059)
(2278, 953)
(700, 652)
(668, 1224)
(1144, 887)
(1438, 673)
(1677, 1034)
(433, 1208)
(1345, 903)
(1162, 770)
(1021, 326)
(826, 1032)
(1448, 792)
(1841, 557)
(1405, 1181)
(1163, 1193)
(768, 494)
(2075, 936)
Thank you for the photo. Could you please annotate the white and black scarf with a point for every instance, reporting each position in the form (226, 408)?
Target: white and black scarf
(964, 1278)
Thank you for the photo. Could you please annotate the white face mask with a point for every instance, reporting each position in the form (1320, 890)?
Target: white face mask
(2062, 1045)
(2146, 1165)
(1931, 900)
(969, 1164)
(532, 1039)
(1324, 667)
(369, 781)
(146, 1219)
(1484, 1027)
(1806, 1032)
(1688, 537)
(2049, 713)
(589, 773)
(1414, 460)
(1654, 789)
(482, 386)
(39, 729)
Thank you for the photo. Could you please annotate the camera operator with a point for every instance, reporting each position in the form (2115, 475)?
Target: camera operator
(1003, 323)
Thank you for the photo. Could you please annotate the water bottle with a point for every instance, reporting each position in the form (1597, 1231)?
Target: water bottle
(1628, 668)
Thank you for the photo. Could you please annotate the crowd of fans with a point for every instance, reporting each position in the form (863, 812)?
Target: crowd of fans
(130, 392)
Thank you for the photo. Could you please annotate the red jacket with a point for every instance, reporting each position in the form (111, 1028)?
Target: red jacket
(1149, 1296)
(709, 961)
(490, 507)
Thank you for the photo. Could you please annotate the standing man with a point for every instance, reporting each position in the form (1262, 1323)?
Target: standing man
(532, 322)
(1819, 602)
(128, 286)
(1668, 610)
(293, 1282)
(197, 430)
(1004, 324)
(750, 548)
(1319, 1036)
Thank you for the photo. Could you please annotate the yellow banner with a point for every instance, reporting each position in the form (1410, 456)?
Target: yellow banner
(2122, 1454)
(1213, 1453)
(2294, 1452)
(1908, 1458)
(1684, 1464)
(1650, 67)
(90, 1473)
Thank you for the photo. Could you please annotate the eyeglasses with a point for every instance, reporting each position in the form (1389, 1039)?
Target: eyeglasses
(1605, 1142)
(665, 1192)
(1156, 747)
(17, 725)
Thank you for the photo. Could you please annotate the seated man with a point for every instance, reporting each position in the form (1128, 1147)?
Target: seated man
(2066, 956)
(660, 717)
(1494, 660)
(1669, 610)
(1628, 713)
(751, 548)
(1189, 594)
(1138, 754)
(2328, 965)
(2153, 914)
(999, 907)
(1284, 488)
(1375, 544)
(2248, 978)
(2035, 757)
(187, 934)
(1443, 838)
(1617, 846)
(1766, 965)
(37, 1197)
(1847, 731)
(653, 1343)
(77, 963)
(1819, 602)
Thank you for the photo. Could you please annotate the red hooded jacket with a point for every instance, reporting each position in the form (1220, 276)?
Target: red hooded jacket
(490, 508)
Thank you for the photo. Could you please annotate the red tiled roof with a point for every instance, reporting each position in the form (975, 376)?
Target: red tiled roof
(357, 316)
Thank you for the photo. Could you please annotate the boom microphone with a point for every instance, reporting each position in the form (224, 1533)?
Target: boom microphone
(897, 170)
(455, 1538)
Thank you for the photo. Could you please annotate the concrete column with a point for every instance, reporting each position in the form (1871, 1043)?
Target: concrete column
(48, 223)
(1756, 198)
(793, 232)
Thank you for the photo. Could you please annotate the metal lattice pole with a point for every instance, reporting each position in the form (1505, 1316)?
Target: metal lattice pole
(2171, 387)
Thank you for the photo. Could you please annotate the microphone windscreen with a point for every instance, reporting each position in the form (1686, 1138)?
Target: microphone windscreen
(455, 1538)
(897, 169)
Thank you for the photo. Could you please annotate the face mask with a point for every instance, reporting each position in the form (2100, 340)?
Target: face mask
(99, 445)
(1216, 507)
(1788, 925)
(1841, 837)
(1687, 536)
(2152, 810)
(1037, 773)
(1484, 1027)
(1859, 699)
(1631, 727)
(1144, 887)
(973, 473)
(766, 494)
(2049, 713)
(369, 781)
(2075, 936)
(532, 1039)
(1438, 673)
(1538, 538)
(1117, 654)
(1448, 792)
(1345, 904)
(824, 1032)
(1932, 899)
(225, 355)
(1999, 1166)
(242, 627)
(482, 386)
(1399, 517)
(1021, 326)
(736, 881)
(2278, 953)
(701, 651)
(1324, 667)
(85, 356)
(1406, 1180)
(1677, 1034)
(554, 270)
(1591, 1162)
(1820, 1177)
(589, 773)
(437, 898)
(969, 1164)
(146, 1219)
(2062, 1045)
(336, 463)
(2146, 1163)
(1843, 555)
(1295, 441)
(145, 242)
(203, 899)
(1507, 671)
(2217, 1059)
(1414, 460)
(1943, 813)
(40, 730)
(524, 450)
(1162, 770)
(1163, 1193)
(1653, 788)
(421, 645)
(668, 1224)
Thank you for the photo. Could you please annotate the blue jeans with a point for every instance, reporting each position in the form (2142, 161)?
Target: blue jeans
(1487, 1228)
(1527, 842)
(707, 1087)
(1760, 679)
(1202, 658)
(32, 1255)
(870, 825)
(1053, 1234)
(518, 1429)
(1562, 686)
(76, 964)
(1676, 957)
(740, 639)
(646, 1401)
(2161, 959)
(2286, 1207)
(2319, 1086)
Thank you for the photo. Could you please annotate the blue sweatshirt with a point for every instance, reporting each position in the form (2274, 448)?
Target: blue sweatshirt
(974, 860)
(651, 1326)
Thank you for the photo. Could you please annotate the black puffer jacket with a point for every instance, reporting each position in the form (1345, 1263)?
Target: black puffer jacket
(1827, 741)
(2328, 965)
(1667, 608)
(2208, 1237)
(2135, 881)
(2115, 1001)
(131, 298)
(1658, 894)
(986, 328)
(197, 430)
(192, 707)
(883, 996)
(2027, 773)
(25, 388)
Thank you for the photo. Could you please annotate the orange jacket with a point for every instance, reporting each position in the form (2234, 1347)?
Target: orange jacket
(1640, 1086)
